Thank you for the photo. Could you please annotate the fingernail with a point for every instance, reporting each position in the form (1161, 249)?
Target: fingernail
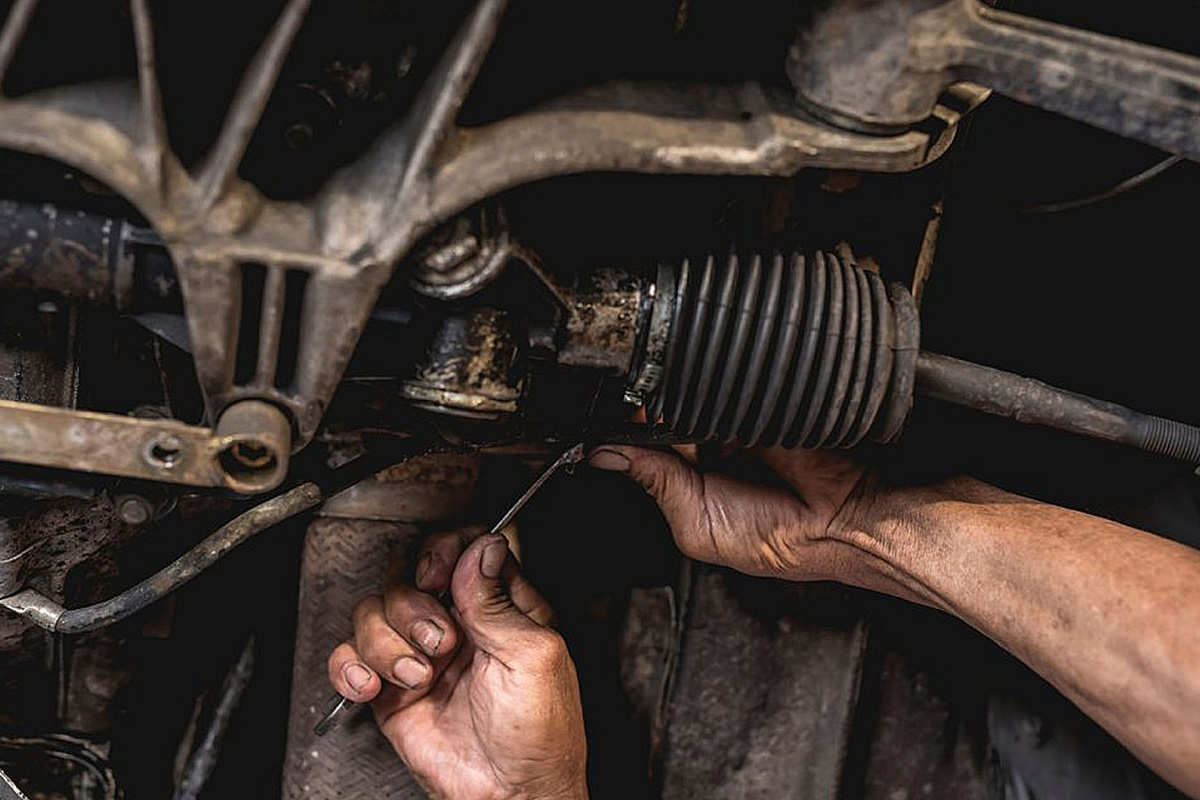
(356, 675)
(492, 560)
(423, 567)
(428, 634)
(609, 460)
(410, 672)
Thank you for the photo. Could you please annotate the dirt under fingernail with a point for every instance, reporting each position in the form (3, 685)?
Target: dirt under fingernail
(492, 560)
(428, 635)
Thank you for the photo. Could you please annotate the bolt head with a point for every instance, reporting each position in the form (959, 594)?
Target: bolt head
(134, 510)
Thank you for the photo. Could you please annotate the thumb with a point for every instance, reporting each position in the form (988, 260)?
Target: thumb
(665, 475)
(489, 617)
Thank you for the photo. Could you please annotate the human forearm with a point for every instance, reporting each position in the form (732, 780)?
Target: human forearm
(1108, 614)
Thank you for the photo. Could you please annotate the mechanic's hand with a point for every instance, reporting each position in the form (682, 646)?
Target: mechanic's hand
(481, 701)
(794, 530)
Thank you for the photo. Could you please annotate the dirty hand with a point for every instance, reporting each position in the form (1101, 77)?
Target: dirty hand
(796, 530)
(481, 701)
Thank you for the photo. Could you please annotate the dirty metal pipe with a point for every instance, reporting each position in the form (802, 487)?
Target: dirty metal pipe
(1027, 400)
(71, 254)
(52, 616)
(85, 257)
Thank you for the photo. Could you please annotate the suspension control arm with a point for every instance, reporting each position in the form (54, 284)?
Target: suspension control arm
(247, 452)
(881, 65)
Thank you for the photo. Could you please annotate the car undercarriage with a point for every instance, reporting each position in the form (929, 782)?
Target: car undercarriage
(286, 285)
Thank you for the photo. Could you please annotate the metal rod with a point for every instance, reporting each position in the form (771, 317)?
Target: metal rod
(250, 102)
(1027, 400)
(203, 760)
(15, 25)
(52, 616)
(571, 456)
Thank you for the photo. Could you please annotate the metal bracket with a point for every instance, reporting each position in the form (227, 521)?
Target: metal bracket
(247, 452)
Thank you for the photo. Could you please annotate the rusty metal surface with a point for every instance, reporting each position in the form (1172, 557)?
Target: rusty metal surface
(882, 66)
(1032, 402)
(766, 692)
(50, 546)
(602, 317)
(48, 613)
(43, 545)
(424, 170)
(665, 129)
(472, 367)
(150, 449)
(254, 443)
(38, 354)
(435, 487)
(463, 256)
(70, 253)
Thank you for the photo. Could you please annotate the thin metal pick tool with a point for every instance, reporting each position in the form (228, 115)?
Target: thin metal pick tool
(569, 458)
(341, 707)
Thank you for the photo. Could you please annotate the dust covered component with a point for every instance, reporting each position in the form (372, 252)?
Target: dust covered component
(432, 487)
(602, 321)
(68, 253)
(882, 66)
(272, 309)
(248, 452)
(473, 367)
(812, 352)
(343, 241)
(463, 256)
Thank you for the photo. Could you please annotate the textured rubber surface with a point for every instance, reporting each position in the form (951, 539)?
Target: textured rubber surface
(792, 350)
(343, 561)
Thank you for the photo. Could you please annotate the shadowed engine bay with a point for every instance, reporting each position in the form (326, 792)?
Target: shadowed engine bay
(284, 285)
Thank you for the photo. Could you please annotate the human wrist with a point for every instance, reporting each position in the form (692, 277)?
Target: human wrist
(887, 537)
(567, 781)
(571, 789)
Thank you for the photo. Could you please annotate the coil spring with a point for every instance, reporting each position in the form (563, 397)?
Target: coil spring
(791, 351)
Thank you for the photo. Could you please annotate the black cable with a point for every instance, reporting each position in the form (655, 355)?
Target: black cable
(15, 748)
(1127, 185)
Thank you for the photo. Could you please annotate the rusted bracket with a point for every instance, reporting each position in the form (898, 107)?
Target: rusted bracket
(247, 452)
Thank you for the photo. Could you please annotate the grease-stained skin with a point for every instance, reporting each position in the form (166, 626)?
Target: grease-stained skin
(1106, 613)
